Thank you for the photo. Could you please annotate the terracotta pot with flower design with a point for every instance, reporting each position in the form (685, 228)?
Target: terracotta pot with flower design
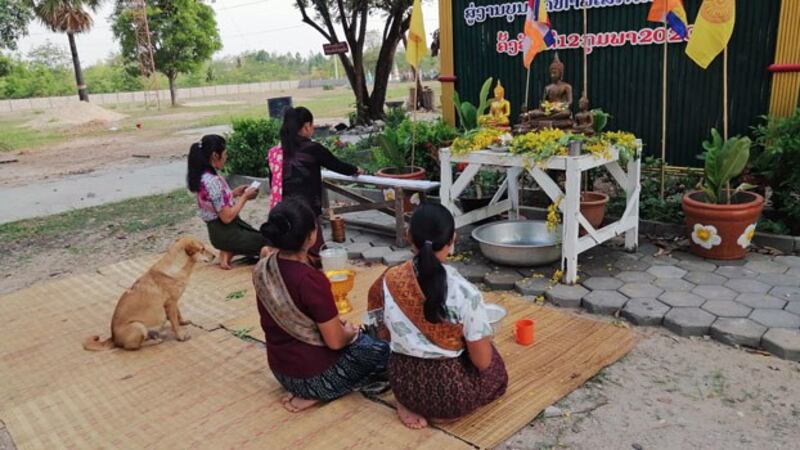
(720, 221)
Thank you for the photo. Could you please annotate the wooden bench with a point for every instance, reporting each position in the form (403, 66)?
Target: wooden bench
(331, 182)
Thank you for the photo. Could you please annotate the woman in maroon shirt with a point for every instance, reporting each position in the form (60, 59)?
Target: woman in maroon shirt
(314, 354)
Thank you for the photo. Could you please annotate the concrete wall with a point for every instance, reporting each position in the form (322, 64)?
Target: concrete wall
(118, 98)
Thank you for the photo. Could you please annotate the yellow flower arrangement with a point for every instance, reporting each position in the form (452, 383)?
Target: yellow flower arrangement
(553, 216)
(475, 141)
(557, 276)
(551, 107)
(599, 147)
(542, 145)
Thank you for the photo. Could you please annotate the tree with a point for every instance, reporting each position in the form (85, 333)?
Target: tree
(351, 16)
(183, 33)
(70, 17)
(14, 19)
(49, 55)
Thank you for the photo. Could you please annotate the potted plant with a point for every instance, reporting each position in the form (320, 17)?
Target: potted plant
(593, 203)
(392, 154)
(721, 221)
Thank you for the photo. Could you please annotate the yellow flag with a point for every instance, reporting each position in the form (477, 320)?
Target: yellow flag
(417, 46)
(712, 31)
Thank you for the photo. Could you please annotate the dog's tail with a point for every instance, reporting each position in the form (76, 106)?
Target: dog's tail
(94, 344)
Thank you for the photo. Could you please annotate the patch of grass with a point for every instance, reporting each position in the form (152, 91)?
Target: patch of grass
(129, 216)
(14, 136)
(718, 383)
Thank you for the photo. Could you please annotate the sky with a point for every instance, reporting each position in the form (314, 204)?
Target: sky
(272, 25)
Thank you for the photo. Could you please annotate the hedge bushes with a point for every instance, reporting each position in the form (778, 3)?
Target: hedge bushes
(248, 145)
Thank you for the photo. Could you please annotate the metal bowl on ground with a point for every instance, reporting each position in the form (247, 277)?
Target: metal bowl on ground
(519, 242)
(496, 315)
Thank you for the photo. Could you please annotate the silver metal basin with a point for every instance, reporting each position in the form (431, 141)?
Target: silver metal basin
(519, 242)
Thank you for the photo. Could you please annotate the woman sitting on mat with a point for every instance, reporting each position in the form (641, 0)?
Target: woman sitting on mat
(314, 354)
(215, 200)
(443, 364)
(295, 165)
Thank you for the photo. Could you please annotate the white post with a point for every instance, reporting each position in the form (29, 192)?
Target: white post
(634, 178)
(446, 178)
(512, 175)
(336, 66)
(572, 202)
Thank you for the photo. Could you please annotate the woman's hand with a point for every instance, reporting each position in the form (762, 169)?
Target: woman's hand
(239, 190)
(338, 333)
(359, 172)
(250, 193)
(351, 330)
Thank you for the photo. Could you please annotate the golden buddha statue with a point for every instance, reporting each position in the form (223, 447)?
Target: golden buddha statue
(584, 120)
(555, 109)
(499, 110)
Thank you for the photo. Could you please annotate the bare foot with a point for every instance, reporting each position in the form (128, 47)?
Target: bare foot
(296, 404)
(225, 260)
(410, 419)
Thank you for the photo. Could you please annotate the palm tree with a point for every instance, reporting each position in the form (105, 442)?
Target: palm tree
(71, 17)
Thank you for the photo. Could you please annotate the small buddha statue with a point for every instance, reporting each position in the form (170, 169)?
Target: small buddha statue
(584, 120)
(499, 110)
(554, 111)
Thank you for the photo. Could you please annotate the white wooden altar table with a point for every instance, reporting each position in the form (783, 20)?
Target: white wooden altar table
(569, 199)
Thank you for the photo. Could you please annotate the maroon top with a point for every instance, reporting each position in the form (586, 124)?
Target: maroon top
(311, 292)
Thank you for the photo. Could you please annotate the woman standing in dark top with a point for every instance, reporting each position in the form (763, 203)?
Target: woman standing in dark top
(297, 164)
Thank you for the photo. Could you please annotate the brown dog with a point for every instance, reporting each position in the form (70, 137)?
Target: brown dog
(153, 299)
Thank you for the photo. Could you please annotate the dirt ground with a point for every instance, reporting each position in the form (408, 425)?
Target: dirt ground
(668, 393)
(95, 145)
(87, 152)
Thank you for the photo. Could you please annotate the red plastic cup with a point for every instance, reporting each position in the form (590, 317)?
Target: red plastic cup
(524, 331)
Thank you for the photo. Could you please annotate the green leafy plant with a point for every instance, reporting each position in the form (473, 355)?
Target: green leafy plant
(248, 145)
(235, 295)
(724, 161)
(484, 184)
(395, 116)
(242, 333)
(484, 96)
(360, 154)
(599, 119)
(395, 144)
(651, 205)
(771, 226)
(777, 160)
(391, 151)
(467, 112)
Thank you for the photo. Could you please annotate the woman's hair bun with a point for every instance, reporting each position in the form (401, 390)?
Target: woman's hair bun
(277, 225)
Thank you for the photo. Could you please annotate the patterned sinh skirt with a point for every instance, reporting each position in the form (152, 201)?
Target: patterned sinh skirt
(361, 363)
(445, 388)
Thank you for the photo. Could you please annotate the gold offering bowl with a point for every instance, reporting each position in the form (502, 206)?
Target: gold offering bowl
(341, 285)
